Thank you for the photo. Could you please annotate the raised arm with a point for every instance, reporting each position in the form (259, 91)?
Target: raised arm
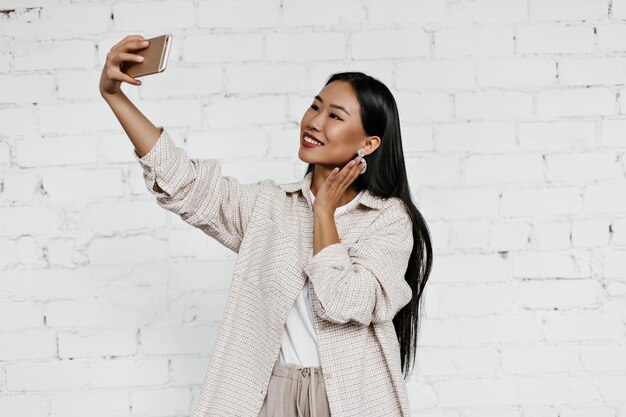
(141, 131)
(194, 189)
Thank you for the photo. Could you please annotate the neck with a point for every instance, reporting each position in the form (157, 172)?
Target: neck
(348, 195)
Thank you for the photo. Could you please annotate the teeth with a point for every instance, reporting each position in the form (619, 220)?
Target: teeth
(313, 141)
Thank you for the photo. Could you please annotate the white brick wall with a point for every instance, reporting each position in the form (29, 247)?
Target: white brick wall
(514, 123)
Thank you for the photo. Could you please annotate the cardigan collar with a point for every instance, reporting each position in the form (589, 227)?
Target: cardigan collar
(304, 185)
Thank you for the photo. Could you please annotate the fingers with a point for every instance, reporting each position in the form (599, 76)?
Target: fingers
(132, 44)
(127, 39)
(115, 73)
(125, 56)
(345, 176)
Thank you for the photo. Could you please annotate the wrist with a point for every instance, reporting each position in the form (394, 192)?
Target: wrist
(111, 96)
(323, 215)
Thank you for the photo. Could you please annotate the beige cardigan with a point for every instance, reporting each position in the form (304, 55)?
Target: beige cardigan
(357, 286)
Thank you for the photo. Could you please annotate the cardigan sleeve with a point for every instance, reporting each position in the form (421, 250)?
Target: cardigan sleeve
(197, 192)
(365, 282)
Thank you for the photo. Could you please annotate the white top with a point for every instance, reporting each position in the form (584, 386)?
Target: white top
(299, 344)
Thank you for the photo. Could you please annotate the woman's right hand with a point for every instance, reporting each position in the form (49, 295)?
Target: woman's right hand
(112, 77)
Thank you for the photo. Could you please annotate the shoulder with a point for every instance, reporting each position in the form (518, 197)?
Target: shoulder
(394, 213)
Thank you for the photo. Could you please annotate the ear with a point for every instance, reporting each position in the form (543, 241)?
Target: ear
(371, 144)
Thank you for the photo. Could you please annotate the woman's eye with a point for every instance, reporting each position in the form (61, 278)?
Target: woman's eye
(314, 107)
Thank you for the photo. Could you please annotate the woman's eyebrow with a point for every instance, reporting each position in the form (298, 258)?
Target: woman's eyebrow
(334, 105)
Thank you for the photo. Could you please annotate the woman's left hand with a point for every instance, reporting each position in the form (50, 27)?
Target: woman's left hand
(330, 193)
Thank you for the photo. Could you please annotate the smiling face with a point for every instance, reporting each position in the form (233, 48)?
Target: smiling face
(334, 119)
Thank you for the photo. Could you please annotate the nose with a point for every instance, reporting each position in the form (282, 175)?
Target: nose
(315, 123)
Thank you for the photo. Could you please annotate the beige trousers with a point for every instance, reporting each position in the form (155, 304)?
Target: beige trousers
(295, 391)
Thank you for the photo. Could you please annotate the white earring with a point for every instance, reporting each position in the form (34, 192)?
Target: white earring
(361, 152)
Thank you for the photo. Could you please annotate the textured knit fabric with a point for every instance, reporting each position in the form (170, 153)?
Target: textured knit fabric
(299, 345)
(295, 391)
(357, 285)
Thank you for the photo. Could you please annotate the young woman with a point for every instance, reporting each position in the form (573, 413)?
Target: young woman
(322, 313)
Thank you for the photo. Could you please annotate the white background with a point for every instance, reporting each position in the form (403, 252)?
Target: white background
(514, 129)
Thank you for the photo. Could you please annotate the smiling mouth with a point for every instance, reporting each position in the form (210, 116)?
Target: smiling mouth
(312, 141)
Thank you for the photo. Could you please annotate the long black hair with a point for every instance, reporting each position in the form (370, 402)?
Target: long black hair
(386, 177)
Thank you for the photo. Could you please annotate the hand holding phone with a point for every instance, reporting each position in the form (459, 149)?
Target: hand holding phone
(155, 58)
(150, 56)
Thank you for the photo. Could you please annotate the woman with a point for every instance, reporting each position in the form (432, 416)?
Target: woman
(322, 313)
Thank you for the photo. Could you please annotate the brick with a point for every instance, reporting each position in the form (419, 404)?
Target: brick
(269, 78)
(35, 343)
(349, 13)
(573, 390)
(37, 376)
(47, 55)
(476, 136)
(582, 326)
(558, 294)
(435, 74)
(455, 361)
(471, 299)
(590, 232)
(567, 10)
(553, 264)
(493, 105)
(398, 11)
(468, 41)
(163, 16)
(25, 89)
(24, 405)
(188, 370)
(469, 234)
(554, 40)
(583, 168)
(605, 198)
(320, 46)
(434, 170)
(516, 73)
(502, 169)
(564, 135)
(22, 314)
(92, 403)
(222, 48)
(592, 71)
(472, 268)
(170, 340)
(129, 372)
(544, 201)
(460, 203)
(534, 360)
(389, 43)
(165, 401)
(612, 133)
(550, 235)
(240, 14)
(89, 343)
(576, 102)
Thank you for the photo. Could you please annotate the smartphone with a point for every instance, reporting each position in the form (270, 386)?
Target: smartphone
(154, 57)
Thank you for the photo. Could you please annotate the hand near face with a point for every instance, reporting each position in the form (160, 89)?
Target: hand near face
(330, 193)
